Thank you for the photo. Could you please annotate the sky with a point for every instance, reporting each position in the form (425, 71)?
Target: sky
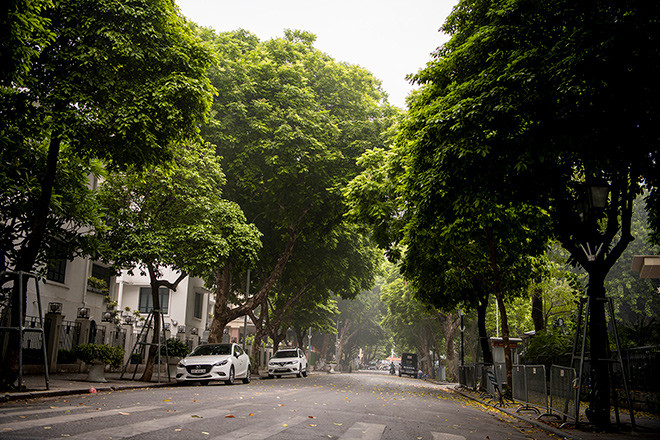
(390, 38)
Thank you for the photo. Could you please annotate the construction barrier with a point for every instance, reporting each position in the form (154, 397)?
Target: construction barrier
(563, 393)
(530, 388)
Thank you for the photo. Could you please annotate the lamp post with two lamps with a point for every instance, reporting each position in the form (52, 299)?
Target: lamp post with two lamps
(589, 247)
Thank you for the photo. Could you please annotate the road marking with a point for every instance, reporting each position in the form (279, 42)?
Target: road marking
(67, 418)
(363, 431)
(11, 412)
(262, 430)
(446, 436)
(148, 426)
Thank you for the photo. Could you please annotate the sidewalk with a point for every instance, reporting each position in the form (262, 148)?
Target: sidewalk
(647, 426)
(63, 384)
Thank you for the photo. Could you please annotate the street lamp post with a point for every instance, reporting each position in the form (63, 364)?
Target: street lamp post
(599, 390)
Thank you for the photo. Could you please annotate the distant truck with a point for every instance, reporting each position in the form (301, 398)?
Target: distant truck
(408, 364)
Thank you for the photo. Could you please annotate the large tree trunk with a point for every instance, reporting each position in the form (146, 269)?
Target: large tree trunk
(26, 261)
(156, 284)
(323, 354)
(537, 309)
(222, 313)
(497, 284)
(256, 348)
(450, 327)
(277, 337)
(598, 411)
(484, 341)
(260, 333)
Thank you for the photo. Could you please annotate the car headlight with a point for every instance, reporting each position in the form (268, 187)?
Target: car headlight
(221, 363)
(181, 364)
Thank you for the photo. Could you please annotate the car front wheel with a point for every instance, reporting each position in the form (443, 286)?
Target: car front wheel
(247, 376)
(230, 378)
(304, 373)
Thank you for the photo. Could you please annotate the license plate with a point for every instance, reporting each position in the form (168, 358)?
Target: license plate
(198, 371)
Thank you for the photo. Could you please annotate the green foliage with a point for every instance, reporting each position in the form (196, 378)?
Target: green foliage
(84, 80)
(636, 299)
(65, 356)
(642, 333)
(109, 355)
(174, 215)
(73, 203)
(175, 348)
(548, 345)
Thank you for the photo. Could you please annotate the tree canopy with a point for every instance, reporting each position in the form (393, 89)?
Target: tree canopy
(89, 79)
(288, 122)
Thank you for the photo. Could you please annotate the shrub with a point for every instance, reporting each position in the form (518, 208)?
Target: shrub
(175, 348)
(106, 354)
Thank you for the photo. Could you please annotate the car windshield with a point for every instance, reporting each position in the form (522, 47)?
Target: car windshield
(286, 354)
(211, 350)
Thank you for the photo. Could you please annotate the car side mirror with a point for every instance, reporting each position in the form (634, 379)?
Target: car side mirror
(236, 354)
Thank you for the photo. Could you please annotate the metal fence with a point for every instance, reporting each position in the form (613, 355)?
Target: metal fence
(468, 376)
(530, 387)
(537, 388)
(97, 335)
(563, 392)
(32, 340)
(117, 337)
(69, 335)
(642, 365)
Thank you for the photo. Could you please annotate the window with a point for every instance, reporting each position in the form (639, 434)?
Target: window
(199, 297)
(146, 303)
(100, 279)
(56, 270)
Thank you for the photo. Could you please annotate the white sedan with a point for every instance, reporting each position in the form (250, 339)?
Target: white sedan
(208, 362)
(288, 361)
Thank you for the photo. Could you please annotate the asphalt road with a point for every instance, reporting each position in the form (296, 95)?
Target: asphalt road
(364, 406)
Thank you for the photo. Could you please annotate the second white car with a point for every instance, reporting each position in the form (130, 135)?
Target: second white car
(288, 361)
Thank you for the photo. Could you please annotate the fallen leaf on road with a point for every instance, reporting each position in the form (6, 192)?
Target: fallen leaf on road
(125, 414)
(280, 404)
(196, 416)
(311, 425)
(251, 414)
(167, 400)
(285, 425)
(170, 410)
(229, 416)
(48, 427)
(338, 424)
(205, 433)
(311, 417)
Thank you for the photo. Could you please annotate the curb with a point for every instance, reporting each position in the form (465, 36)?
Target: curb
(536, 423)
(74, 391)
(69, 392)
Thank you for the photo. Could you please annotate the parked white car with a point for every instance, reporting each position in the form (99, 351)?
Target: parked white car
(207, 362)
(288, 361)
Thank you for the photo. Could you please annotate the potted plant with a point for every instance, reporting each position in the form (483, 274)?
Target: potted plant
(176, 349)
(97, 356)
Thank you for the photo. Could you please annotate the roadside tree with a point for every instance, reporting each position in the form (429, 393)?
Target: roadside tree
(535, 103)
(173, 216)
(86, 80)
(288, 122)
